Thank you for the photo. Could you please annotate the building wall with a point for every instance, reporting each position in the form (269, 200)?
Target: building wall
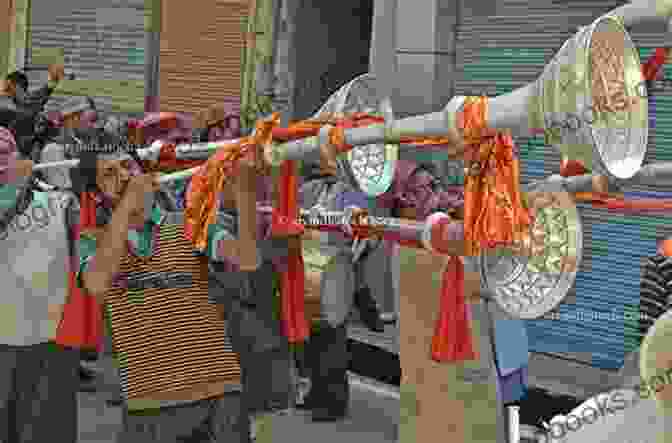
(6, 24)
(101, 42)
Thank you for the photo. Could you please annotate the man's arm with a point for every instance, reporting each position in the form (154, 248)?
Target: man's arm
(223, 244)
(112, 243)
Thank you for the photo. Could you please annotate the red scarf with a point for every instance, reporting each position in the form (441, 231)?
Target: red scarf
(452, 334)
(294, 323)
(81, 324)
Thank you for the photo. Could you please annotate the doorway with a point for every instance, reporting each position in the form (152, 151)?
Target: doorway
(333, 45)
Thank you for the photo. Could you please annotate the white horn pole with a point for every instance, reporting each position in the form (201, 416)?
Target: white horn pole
(434, 240)
(194, 151)
(177, 176)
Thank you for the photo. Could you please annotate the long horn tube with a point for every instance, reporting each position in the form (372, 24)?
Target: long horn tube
(437, 124)
(192, 151)
(407, 231)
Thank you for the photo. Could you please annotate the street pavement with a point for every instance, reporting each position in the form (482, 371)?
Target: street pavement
(373, 415)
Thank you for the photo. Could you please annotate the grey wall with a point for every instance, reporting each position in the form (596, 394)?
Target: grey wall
(413, 54)
(414, 47)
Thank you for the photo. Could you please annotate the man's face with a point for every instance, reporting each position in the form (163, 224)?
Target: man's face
(112, 177)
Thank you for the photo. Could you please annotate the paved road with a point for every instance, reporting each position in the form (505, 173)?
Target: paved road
(374, 413)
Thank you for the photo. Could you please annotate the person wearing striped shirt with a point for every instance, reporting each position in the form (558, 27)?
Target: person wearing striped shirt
(180, 376)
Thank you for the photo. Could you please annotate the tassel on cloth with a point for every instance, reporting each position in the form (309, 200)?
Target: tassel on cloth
(295, 325)
(452, 334)
(493, 210)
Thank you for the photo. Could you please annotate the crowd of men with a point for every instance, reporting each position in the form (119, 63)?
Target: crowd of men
(200, 354)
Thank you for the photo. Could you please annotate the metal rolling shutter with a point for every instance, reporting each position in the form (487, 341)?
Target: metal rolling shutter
(102, 43)
(201, 54)
(499, 54)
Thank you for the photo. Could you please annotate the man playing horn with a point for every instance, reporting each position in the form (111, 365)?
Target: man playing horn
(180, 376)
(334, 284)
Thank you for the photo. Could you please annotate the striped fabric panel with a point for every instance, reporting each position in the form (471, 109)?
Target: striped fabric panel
(169, 339)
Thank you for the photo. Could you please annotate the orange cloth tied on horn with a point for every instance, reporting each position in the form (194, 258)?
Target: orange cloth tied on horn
(202, 197)
(494, 214)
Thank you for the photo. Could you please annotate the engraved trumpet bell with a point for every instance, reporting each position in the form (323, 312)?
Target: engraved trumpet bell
(590, 103)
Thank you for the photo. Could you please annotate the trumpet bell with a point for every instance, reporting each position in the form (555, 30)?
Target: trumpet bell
(591, 101)
(369, 168)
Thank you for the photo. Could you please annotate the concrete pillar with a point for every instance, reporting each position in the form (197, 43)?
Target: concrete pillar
(425, 43)
(383, 56)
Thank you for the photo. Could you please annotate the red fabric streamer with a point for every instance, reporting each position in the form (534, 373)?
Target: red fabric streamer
(81, 324)
(295, 325)
(654, 64)
(452, 335)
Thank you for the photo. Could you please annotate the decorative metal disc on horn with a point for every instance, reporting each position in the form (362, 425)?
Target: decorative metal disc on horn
(531, 283)
(593, 102)
(370, 168)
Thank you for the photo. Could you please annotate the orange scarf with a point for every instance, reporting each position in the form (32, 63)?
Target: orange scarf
(493, 215)
(493, 210)
(202, 197)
